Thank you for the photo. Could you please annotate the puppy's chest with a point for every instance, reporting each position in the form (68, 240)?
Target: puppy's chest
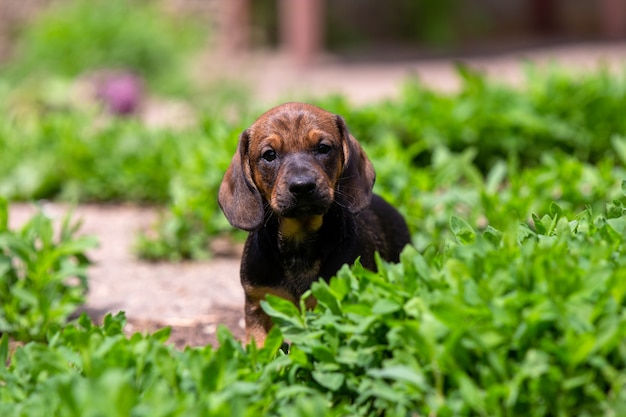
(301, 265)
(297, 269)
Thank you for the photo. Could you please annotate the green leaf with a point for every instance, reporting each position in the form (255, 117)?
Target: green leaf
(555, 210)
(615, 209)
(282, 311)
(400, 373)
(76, 246)
(324, 353)
(462, 230)
(329, 380)
(326, 296)
(26, 296)
(472, 395)
(4, 215)
(299, 357)
(273, 342)
(493, 236)
(619, 145)
(224, 336)
(386, 306)
(619, 225)
(162, 334)
(4, 349)
(539, 226)
(495, 177)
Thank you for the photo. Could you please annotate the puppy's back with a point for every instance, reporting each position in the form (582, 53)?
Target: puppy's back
(393, 227)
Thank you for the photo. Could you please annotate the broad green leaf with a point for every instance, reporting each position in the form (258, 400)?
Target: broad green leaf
(462, 230)
(386, 306)
(470, 392)
(325, 296)
(619, 225)
(329, 380)
(273, 342)
(493, 236)
(400, 373)
(282, 311)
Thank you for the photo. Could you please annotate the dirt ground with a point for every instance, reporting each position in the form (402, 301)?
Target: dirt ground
(194, 298)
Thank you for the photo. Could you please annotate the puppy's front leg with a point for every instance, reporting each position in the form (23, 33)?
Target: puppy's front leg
(258, 324)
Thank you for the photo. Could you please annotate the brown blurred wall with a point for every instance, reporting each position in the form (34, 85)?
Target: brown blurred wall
(338, 24)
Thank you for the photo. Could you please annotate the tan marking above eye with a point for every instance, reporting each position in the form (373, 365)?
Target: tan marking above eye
(270, 142)
(316, 136)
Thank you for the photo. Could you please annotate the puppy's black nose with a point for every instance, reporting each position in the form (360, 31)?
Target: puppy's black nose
(302, 186)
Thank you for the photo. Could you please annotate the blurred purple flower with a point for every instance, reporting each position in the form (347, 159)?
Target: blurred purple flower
(120, 92)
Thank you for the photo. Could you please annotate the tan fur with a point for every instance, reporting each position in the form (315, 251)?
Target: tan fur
(299, 229)
(257, 322)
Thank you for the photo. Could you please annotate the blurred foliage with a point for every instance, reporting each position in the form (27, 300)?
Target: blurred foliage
(557, 110)
(75, 36)
(67, 156)
(486, 152)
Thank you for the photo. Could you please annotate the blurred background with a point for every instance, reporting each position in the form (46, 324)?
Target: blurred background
(168, 46)
(307, 31)
(367, 29)
(401, 29)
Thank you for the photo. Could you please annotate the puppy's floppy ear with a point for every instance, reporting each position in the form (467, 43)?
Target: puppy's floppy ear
(238, 197)
(357, 178)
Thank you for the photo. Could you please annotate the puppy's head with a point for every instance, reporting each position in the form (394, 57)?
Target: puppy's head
(298, 160)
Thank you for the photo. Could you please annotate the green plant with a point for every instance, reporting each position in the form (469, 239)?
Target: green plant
(526, 321)
(484, 150)
(66, 156)
(577, 113)
(87, 369)
(513, 322)
(75, 36)
(43, 277)
(193, 215)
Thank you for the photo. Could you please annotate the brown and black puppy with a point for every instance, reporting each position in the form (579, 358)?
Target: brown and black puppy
(302, 186)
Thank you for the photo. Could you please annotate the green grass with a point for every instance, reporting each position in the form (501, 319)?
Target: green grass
(77, 36)
(513, 322)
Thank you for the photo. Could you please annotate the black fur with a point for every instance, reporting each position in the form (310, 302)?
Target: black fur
(269, 261)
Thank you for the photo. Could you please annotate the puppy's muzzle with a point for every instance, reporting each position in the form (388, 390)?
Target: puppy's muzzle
(304, 192)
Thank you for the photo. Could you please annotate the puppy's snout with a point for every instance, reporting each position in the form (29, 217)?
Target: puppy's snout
(301, 186)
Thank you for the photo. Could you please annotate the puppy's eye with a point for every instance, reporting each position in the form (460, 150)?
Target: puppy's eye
(323, 148)
(269, 155)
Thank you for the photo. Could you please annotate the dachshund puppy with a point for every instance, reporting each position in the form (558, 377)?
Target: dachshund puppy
(302, 186)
